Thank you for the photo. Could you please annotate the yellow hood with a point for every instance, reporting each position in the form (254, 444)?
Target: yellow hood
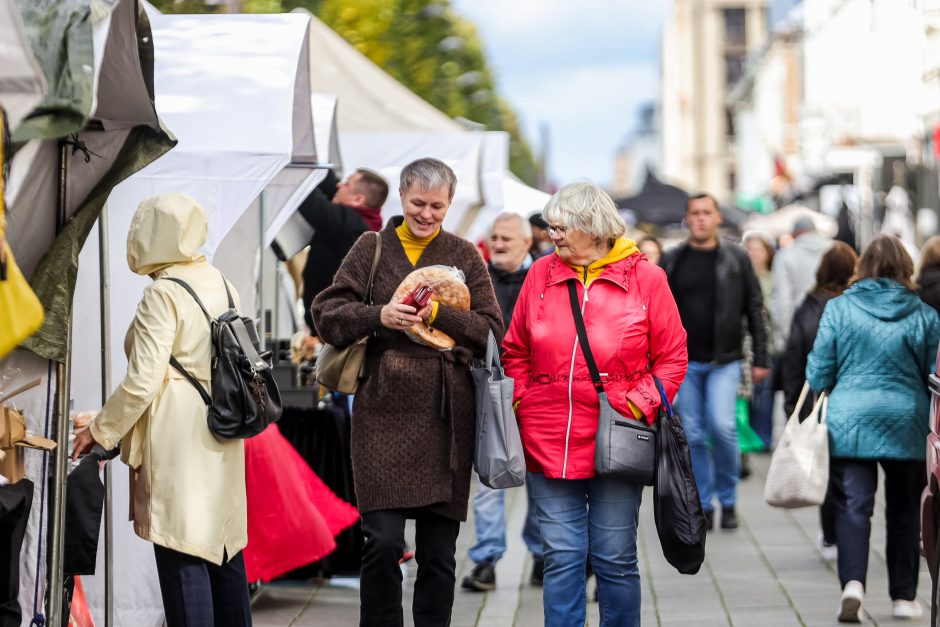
(622, 249)
(166, 230)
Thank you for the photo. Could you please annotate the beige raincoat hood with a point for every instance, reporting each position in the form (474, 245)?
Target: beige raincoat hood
(166, 230)
(188, 487)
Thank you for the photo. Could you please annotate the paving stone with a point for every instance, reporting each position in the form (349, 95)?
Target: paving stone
(767, 573)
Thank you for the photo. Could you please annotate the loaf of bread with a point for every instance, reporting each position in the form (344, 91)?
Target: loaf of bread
(449, 290)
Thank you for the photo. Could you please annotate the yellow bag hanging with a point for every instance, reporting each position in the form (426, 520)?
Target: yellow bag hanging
(21, 313)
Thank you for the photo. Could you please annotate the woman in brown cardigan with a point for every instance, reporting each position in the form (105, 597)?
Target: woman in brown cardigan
(413, 416)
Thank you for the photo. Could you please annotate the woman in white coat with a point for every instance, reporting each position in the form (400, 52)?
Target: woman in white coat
(188, 487)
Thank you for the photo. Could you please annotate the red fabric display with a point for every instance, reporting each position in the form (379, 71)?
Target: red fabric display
(293, 516)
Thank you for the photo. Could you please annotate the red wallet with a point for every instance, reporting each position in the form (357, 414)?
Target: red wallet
(419, 297)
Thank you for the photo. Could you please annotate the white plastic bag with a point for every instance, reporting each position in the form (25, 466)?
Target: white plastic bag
(799, 469)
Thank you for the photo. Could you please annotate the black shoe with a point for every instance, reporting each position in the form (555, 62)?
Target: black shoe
(482, 578)
(745, 470)
(709, 519)
(729, 520)
(538, 572)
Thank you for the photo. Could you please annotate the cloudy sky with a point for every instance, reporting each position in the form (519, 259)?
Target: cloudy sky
(581, 68)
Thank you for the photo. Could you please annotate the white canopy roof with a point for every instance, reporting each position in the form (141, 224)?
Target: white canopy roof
(22, 84)
(781, 221)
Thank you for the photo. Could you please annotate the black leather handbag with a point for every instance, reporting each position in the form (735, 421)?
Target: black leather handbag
(624, 447)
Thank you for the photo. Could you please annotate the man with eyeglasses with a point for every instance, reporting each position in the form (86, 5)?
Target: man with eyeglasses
(716, 290)
(339, 212)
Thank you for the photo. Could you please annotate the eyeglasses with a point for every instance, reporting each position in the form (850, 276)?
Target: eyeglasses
(557, 229)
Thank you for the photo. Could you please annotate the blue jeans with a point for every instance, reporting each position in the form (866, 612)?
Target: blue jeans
(596, 517)
(706, 404)
(489, 520)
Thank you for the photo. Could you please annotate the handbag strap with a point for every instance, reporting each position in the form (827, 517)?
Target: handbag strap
(492, 351)
(175, 362)
(375, 264)
(803, 394)
(583, 338)
(666, 405)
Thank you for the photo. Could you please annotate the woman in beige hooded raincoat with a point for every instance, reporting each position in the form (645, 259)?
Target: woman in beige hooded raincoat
(188, 487)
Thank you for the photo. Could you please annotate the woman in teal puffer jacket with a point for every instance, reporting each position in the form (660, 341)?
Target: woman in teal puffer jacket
(875, 347)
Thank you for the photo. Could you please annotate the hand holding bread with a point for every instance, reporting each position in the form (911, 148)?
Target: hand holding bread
(449, 290)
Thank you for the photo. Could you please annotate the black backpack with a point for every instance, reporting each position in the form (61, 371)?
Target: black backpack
(245, 398)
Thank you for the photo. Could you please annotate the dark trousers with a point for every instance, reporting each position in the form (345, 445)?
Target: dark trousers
(197, 593)
(827, 517)
(853, 485)
(15, 503)
(381, 578)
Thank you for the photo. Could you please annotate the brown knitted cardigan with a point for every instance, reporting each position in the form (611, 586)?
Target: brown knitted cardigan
(413, 415)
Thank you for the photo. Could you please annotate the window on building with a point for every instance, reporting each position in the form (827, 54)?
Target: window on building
(735, 28)
(734, 68)
(729, 121)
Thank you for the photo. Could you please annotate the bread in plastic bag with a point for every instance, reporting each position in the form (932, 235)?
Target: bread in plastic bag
(450, 290)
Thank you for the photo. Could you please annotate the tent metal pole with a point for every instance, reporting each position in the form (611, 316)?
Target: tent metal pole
(260, 286)
(55, 576)
(104, 266)
(278, 265)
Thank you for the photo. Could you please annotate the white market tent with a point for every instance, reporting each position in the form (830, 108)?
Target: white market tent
(216, 77)
(99, 86)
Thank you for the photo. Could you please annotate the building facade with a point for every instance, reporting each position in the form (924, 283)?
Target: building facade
(705, 46)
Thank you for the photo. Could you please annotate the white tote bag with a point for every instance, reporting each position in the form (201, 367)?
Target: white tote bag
(799, 469)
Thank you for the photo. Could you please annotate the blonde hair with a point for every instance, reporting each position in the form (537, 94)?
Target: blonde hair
(586, 207)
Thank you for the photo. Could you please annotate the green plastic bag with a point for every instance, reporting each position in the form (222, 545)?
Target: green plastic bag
(748, 440)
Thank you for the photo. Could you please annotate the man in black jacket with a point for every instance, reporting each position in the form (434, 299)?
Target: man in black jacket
(339, 212)
(716, 290)
(509, 242)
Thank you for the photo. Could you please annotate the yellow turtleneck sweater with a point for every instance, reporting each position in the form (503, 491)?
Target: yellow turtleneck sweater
(414, 246)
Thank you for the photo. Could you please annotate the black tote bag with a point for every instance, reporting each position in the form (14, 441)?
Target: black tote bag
(677, 509)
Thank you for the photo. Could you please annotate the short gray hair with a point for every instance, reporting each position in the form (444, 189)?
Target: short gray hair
(525, 229)
(428, 173)
(586, 207)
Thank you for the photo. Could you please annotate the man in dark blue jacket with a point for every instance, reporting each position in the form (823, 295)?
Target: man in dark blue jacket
(716, 289)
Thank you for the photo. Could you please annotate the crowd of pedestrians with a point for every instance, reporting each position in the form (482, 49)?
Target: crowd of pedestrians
(699, 317)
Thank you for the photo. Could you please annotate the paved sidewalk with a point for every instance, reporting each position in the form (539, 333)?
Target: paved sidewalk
(767, 573)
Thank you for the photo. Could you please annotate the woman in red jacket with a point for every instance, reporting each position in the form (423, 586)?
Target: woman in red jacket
(634, 331)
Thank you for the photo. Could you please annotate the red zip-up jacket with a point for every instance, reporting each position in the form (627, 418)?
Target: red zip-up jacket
(635, 332)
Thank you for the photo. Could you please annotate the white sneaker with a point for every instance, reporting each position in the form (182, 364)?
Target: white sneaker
(829, 552)
(850, 607)
(907, 609)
